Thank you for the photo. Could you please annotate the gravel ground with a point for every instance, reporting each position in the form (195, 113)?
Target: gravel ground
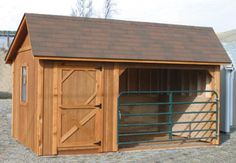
(5, 74)
(12, 151)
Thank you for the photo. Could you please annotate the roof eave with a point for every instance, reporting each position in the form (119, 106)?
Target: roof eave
(131, 61)
(21, 31)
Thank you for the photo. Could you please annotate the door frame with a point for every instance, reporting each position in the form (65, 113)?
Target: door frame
(57, 69)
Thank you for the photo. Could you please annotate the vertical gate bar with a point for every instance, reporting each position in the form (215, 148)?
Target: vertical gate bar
(118, 119)
(171, 114)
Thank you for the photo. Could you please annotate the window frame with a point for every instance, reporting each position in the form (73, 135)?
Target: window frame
(26, 85)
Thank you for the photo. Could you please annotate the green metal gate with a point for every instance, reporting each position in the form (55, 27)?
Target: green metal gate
(169, 113)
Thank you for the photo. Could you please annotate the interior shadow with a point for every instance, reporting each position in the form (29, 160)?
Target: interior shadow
(164, 80)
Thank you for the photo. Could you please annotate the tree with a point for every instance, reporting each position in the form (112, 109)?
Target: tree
(109, 9)
(83, 8)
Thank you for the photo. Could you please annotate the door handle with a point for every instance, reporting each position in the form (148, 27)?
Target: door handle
(98, 106)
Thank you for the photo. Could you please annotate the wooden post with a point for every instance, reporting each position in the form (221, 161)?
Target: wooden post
(115, 102)
(217, 89)
(39, 93)
(55, 108)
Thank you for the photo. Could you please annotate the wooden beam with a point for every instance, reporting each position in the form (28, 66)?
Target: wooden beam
(78, 125)
(211, 71)
(131, 61)
(115, 96)
(67, 76)
(39, 114)
(55, 109)
(15, 43)
(166, 66)
(217, 89)
(24, 49)
(122, 70)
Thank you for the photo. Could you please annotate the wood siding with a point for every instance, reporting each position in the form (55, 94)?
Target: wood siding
(47, 107)
(108, 107)
(24, 114)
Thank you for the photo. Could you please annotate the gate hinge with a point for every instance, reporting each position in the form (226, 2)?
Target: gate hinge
(99, 68)
(98, 142)
(98, 106)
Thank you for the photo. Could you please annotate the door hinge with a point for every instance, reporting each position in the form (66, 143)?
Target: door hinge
(99, 68)
(98, 106)
(98, 142)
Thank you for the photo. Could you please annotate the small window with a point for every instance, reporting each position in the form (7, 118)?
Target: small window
(23, 83)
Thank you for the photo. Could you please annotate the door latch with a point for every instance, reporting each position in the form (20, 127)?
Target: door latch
(98, 142)
(98, 106)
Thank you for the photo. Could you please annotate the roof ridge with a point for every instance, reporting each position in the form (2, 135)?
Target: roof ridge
(119, 21)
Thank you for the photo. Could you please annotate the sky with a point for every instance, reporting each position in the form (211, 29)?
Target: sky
(219, 14)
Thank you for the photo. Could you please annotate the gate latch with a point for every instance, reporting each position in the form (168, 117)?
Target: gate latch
(119, 115)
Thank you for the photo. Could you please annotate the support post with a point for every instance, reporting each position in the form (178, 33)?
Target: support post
(55, 109)
(115, 109)
(39, 113)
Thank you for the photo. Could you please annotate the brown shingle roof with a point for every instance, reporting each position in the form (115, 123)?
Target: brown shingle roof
(63, 36)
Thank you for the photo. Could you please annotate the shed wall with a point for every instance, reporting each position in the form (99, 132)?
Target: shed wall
(109, 92)
(24, 114)
(111, 74)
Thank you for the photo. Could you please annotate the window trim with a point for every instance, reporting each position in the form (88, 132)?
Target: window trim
(26, 87)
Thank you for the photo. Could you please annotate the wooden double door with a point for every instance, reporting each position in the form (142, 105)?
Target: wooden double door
(80, 108)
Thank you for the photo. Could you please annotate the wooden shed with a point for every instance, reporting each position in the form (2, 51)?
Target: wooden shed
(85, 85)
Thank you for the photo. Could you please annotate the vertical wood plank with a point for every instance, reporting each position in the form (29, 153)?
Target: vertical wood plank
(128, 79)
(217, 89)
(208, 83)
(115, 96)
(39, 115)
(58, 112)
(182, 82)
(168, 79)
(191, 88)
(139, 80)
(47, 107)
(99, 116)
(199, 82)
(55, 108)
(107, 139)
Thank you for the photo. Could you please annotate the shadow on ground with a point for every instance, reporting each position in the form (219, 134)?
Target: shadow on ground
(224, 137)
(5, 95)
